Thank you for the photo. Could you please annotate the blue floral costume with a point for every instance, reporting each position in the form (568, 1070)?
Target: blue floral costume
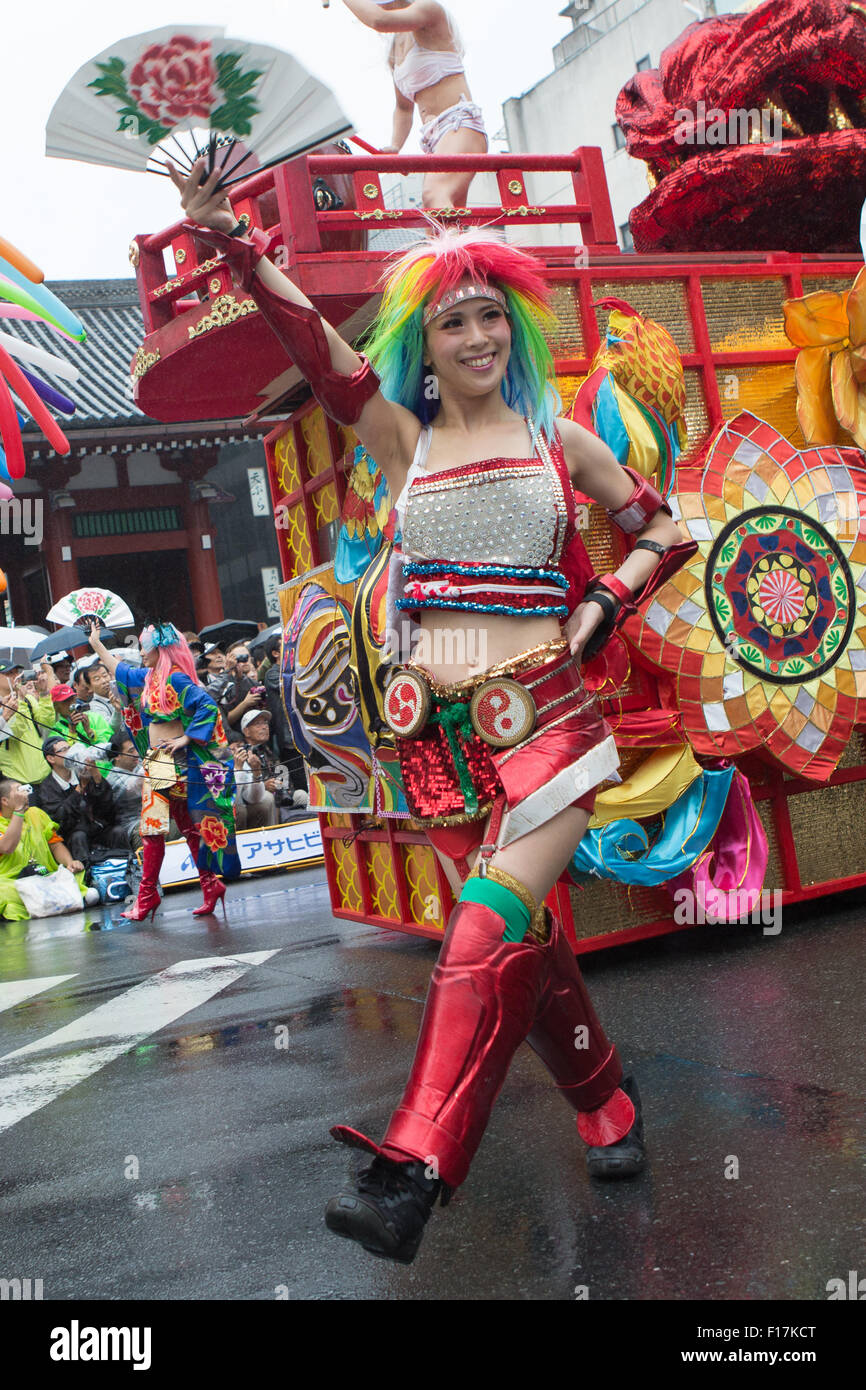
(206, 783)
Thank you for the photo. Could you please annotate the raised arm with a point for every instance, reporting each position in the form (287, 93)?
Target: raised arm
(421, 14)
(110, 660)
(344, 383)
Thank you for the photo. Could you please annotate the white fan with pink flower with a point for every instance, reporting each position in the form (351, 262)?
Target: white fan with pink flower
(245, 103)
(91, 603)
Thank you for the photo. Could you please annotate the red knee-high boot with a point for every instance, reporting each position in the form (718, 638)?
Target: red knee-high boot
(148, 900)
(571, 1042)
(483, 997)
(213, 890)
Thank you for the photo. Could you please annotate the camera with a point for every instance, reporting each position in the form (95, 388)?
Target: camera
(27, 676)
(78, 706)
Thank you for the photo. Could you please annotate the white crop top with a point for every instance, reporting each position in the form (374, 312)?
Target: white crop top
(424, 67)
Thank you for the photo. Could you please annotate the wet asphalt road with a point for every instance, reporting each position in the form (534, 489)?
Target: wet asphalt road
(193, 1162)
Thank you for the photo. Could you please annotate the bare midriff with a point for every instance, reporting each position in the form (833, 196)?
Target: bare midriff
(432, 101)
(455, 645)
(161, 730)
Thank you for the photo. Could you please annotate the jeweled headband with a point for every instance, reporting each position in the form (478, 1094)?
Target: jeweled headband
(475, 290)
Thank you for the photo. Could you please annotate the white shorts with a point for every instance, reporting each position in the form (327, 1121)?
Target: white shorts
(463, 115)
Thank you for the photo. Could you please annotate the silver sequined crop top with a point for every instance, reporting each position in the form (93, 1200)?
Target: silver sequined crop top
(487, 536)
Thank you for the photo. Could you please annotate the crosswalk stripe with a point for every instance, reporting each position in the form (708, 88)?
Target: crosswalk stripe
(15, 991)
(110, 1030)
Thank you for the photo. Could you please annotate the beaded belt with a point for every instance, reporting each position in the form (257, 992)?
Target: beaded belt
(482, 588)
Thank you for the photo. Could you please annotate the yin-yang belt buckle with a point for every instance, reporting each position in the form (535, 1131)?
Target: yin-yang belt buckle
(407, 704)
(503, 712)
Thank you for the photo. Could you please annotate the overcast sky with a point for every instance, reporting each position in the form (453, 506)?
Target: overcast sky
(76, 220)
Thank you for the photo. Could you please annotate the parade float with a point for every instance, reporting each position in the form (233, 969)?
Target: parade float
(724, 361)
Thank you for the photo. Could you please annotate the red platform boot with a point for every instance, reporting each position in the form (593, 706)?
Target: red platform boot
(148, 900)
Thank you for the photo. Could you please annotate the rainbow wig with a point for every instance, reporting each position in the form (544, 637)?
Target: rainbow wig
(174, 655)
(395, 341)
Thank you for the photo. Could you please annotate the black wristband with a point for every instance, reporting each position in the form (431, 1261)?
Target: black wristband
(610, 607)
(607, 602)
(654, 546)
(239, 229)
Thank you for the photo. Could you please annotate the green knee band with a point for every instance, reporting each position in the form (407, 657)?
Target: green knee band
(500, 900)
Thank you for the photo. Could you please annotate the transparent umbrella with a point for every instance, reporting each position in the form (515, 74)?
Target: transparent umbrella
(17, 643)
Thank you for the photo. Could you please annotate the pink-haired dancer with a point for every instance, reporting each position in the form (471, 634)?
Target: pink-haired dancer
(167, 710)
(499, 750)
(426, 60)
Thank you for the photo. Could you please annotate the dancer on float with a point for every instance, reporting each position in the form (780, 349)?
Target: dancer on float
(463, 426)
(426, 59)
(189, 776)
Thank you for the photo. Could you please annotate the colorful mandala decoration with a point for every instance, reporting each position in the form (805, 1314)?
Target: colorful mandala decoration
(765, 629)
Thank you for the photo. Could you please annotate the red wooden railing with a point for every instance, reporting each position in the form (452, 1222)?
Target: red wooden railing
(281, 200)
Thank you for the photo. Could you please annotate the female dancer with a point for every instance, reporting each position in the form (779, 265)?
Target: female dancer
(178, 730)
(505, 749)
(428, 73)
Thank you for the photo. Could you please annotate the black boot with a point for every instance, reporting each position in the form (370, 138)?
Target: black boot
(389, 1210)
(627, 1156)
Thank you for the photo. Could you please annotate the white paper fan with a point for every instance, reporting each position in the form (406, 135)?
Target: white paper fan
(100, 603)
(124, 106)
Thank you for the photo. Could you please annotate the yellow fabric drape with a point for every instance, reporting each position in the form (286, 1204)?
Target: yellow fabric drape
(652, 787)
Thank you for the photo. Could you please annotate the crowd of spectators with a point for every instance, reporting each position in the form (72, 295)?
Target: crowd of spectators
(70, 774)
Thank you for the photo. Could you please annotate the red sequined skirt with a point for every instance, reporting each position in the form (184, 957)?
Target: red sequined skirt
(568, 753)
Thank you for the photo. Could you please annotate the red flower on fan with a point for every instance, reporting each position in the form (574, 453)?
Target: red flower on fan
(173, 80)
(89, 600)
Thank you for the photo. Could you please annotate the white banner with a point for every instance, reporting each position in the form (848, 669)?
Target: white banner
(294, 845)
(271, 587)
(259, 499)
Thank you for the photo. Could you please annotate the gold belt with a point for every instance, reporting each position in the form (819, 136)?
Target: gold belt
(524, 660)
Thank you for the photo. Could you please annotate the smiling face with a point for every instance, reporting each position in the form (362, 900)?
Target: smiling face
(468, 347)
(100, 681)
